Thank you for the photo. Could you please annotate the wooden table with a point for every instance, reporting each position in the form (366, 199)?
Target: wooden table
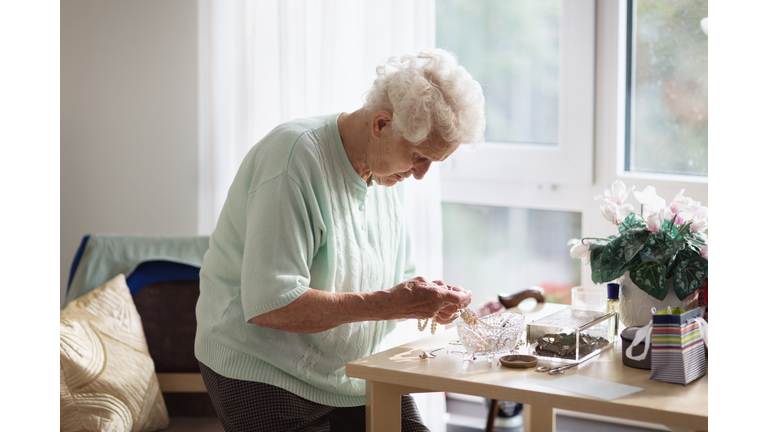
(392, 373)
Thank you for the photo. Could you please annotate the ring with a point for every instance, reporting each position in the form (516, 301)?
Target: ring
(425, 356)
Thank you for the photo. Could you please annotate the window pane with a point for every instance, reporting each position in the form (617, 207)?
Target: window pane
(670, 74)
(512, 48)
(492, 250)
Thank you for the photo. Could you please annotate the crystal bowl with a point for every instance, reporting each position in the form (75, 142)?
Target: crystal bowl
(494, 334)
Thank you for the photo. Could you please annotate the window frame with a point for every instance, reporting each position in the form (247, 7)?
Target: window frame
(606, 149)
(571, 160)
(626, 97)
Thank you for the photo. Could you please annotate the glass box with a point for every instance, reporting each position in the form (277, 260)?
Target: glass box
(571, 335)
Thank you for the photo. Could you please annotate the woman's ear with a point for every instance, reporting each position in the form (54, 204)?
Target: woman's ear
(380, 120)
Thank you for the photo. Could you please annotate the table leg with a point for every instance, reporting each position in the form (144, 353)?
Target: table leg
(382, 406)
(538, 418)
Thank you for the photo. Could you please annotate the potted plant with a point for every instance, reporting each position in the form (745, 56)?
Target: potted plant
(661, 253)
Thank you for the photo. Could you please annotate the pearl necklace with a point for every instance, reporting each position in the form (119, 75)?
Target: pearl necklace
(423, 326)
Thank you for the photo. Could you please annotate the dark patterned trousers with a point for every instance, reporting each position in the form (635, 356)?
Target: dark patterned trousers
(246, 406)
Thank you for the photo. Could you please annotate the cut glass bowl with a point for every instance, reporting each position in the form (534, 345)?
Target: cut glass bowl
(494, 334)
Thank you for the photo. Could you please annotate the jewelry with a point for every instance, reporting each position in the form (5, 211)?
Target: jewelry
(564, 345)
(425, 356)
(423, 326)
(472, 320)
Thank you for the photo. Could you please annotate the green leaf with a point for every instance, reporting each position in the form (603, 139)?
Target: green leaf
(696, 241)
(689, 275)
(631, 241)
(631, 221)
(632, 264)
(687, 254)
(649, 277)
(699, 236)
(612, 264)
(673, 262)
(595, 258)
(671, 229)
(659, 247)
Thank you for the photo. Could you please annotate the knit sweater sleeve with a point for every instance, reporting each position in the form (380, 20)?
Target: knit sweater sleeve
(280, 242)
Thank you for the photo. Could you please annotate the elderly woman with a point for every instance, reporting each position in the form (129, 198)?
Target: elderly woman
(308, 267)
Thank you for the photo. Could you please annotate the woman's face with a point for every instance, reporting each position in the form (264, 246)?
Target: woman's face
(392, 161)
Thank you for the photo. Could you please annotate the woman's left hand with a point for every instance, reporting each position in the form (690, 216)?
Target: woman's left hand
(449, 313)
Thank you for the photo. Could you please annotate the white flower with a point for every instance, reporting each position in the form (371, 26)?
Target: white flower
(705, 252)
(700, 219)
(580, 249)
(654, 220)
(668, 215)
(650, 200)
(683, 206)
(617, 195)
(616, 213)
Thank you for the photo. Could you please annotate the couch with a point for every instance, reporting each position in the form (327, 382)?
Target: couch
(162, 274)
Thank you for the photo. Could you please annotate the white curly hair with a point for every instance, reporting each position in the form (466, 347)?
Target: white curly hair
(429, 93)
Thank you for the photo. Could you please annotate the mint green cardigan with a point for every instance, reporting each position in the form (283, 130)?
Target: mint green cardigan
(298, 217)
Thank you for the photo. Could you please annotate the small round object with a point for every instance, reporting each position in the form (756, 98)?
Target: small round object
(518, 361)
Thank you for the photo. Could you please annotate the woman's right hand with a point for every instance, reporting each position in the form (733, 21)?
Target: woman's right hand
(316, 310)
(418, 298)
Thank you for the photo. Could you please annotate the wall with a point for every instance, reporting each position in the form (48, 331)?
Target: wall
(129, 110)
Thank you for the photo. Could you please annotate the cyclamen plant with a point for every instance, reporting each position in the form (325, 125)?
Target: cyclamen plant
(663, 242)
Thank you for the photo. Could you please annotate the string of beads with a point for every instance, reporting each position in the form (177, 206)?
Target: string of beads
(423, 326)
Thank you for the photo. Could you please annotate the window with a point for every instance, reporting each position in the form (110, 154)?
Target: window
(506, 216)
(513, 48)
(492, 250)
(535, 61)
(666, 105)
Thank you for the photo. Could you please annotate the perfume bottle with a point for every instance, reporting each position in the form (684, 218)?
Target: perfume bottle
(613, 306)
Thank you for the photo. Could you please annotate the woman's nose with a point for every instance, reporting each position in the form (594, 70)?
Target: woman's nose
(420, 170)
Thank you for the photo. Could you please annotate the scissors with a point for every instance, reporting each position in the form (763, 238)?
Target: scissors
(555, 371)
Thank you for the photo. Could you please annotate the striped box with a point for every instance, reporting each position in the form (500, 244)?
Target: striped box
(677, 348)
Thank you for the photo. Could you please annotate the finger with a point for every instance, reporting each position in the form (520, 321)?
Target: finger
(446, 319)
(446, 314)
(465, 304)
(450, 309)
(440, 283)
(457, 297)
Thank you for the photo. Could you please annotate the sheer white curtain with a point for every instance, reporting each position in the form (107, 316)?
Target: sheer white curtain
(264, 62)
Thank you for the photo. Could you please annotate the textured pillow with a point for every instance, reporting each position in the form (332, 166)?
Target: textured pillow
(108, 380)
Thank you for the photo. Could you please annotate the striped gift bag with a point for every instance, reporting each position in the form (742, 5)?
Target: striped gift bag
(677, 346)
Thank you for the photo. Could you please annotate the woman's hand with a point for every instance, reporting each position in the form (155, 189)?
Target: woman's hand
(449, 313)
(417, 298)
(316, 311)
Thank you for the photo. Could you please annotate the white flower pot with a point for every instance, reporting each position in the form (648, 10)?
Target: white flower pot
(635, 304)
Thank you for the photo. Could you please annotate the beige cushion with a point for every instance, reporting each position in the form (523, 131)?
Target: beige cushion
(108, 380)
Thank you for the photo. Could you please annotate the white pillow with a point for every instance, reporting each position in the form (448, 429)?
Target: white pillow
(108, 380)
